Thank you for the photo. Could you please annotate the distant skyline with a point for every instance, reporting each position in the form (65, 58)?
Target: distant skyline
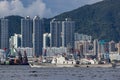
(43, 8)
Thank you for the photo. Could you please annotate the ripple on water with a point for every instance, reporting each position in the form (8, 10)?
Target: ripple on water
(27, 73)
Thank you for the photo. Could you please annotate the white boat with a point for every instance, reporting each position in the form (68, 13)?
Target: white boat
(57, 61)
(41, 65)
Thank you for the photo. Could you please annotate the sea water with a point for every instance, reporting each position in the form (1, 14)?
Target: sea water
(17, 72)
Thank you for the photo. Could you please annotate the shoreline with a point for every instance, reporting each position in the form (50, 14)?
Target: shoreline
(95, 65)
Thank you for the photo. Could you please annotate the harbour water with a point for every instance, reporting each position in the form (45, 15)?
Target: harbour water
(8, 72)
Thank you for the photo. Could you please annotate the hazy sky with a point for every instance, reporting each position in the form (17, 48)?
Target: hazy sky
(43, 8)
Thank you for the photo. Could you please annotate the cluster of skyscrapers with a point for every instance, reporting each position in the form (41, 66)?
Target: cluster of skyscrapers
(61, 37)
(31, 34)
(61, 34)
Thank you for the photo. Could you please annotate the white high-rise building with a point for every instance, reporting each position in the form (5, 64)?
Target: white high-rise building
(46, 40)
(37, 36)
(68, 27)
(4, 34)
(26, 31)
(95, 47)
(118, 47)
(15, 40)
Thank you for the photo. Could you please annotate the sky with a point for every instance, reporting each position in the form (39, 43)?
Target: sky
(43, 8)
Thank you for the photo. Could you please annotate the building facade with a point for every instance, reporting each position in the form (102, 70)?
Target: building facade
(46, 40)
(37, 36)
(82, 37)
(118, 47)
(29, 51)
(4, 34)
(95, 47)
(52, 51)
(26, 31)
(68, 27)
(15, 41)
(55, 30)
(112, 47)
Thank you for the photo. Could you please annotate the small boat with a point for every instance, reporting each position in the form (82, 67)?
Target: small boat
(57, 61)
(40, 65)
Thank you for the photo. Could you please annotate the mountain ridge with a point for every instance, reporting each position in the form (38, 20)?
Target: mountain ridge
(100, 20)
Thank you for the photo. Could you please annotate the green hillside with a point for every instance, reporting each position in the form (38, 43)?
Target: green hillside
(101, 20)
